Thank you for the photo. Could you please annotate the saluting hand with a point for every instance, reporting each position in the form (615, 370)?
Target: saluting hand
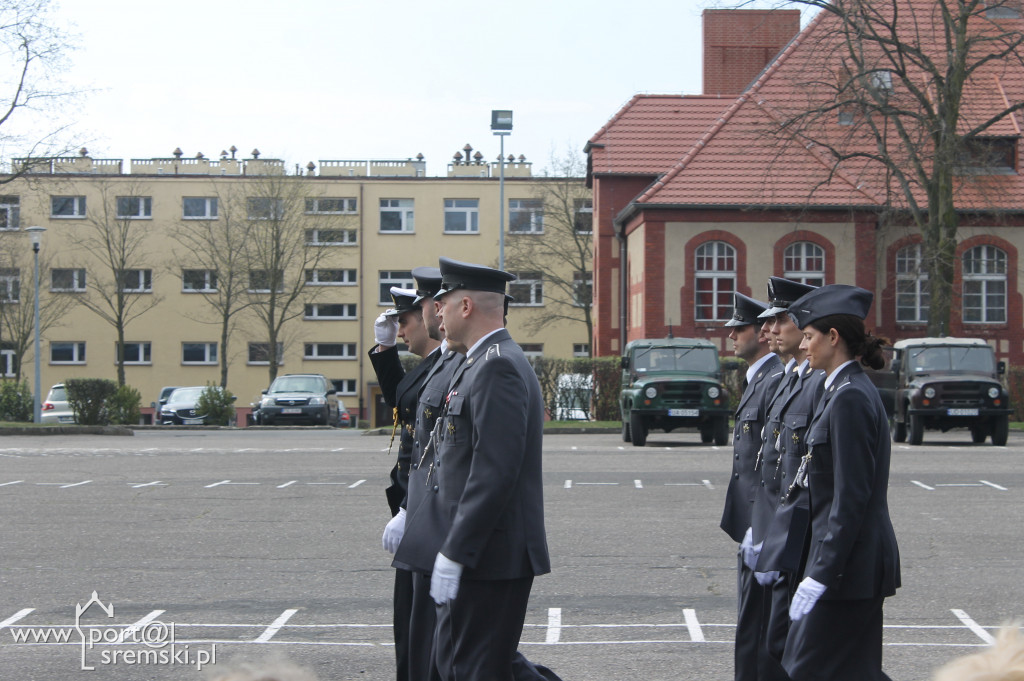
(385, 330)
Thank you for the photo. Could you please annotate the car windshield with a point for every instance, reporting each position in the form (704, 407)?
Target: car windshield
(930, 360)
(186, 395)
(297, 384)
(676, 359)
(58, 394)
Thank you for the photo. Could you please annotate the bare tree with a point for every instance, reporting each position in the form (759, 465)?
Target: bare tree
(120, 289)
(917, 89)
(561, 247)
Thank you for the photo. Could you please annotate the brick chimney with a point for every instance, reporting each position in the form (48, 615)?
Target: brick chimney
(738, 44)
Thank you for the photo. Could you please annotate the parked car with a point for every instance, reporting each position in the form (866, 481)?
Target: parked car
(181, 410)
(55, 408)
(299, 398)
(165, 392)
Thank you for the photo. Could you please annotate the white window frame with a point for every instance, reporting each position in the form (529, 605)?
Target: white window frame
(582, 280)
(10, 285)
(332, 205)
(583, 207)
(266, 276)
(330, 237)
(209, 208)
(209, 278)
(320, 277)
(798, 263)
(141, 350)
(263, 347)
(405, 209)
(346, 386)
(462, 216)
(912, 292)
(78, 280)
(532, 212)
(77, 351)
(318, 351)
(581, 349)
(984, 267)
(138, 207)
(10, 213)
(77, 205)
(532, 350)
(721, 257)
(141, 281)
(388, 278)
(533, 282)
(7, 358)
(264, 208)
(209, 352)
(318, 312)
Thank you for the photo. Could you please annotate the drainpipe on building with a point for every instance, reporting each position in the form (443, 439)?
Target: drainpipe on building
(620, 235)
(362, 305)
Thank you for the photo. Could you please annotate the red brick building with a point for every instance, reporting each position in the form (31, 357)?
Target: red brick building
(694, 198)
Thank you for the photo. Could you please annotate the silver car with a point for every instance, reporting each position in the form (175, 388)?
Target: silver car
(55, 408)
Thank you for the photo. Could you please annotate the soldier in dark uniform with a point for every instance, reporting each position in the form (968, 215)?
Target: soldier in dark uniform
(852, 563)
(762, 378)
(401, 392)
(479, 531)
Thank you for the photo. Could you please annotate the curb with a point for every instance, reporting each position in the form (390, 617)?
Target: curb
(68, 430)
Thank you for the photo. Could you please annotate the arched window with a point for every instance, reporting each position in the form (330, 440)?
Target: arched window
(984, 292)
(804, 262)
(715, 281)
(911, 286)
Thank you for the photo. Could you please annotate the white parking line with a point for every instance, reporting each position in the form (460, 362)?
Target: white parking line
(228, 482)
(554, 625)
(155, 483)
(15, 617)
(356, 484)
(287, 484)
(707, 483)
(269, 632)
(993, 485)
(958, 484)
(692, 625)
(12, 482)
(567, 485)
(974, 626)
(923, 486)
(75, 484)
(638, 484)
(612, 484)
(130, 630)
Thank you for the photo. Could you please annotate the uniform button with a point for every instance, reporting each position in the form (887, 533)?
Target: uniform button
(736, 475)
(415, 466)
(435, 489)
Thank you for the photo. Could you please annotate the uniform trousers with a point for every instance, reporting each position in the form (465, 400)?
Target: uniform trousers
(750, 613)
(775, 624)
(838, 640)
(400, 623)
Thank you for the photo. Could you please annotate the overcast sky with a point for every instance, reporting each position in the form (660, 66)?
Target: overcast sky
(307, 80)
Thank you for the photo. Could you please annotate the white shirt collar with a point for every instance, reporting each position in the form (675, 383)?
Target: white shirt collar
(482, 340)
(752, 371)
(832, 376)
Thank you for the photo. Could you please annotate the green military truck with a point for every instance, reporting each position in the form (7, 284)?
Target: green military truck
(671, 383)
(944, 383)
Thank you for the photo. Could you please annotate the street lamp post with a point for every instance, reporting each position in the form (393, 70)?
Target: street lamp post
(36, 234)
(501, 125)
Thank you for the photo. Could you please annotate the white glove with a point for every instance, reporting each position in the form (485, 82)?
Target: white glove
(444, 580)
(766, 578)
(746, 549)
(394, 531)
(751, 556)
(385, 330)
(807, 594)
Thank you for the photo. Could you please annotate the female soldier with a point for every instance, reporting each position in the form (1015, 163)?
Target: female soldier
(852, 561)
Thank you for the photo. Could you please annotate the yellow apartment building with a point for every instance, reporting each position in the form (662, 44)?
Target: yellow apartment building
(201, 262)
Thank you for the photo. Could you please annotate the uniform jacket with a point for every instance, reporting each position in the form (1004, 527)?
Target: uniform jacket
(750, 418)
(766, 498)
(853, 547)
(484, 505)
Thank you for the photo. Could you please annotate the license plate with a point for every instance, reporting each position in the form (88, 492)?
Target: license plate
(66, 419)
(684, 412)
(961, 412)
(291, 410)
(192, 422)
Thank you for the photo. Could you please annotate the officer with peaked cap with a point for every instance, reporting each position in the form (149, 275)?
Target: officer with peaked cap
(763, 374)
(479, 531)
(400, 391)
(852, 563)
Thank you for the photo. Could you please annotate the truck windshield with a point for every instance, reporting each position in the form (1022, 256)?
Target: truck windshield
(972, 359)
(704, 360)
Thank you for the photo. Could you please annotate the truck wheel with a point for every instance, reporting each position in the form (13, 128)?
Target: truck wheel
(638, 429)
(626, 437)
(722, 431)
(916, 430)
(898, 430)
(707, 435)
(978, 435)
(1000, 430)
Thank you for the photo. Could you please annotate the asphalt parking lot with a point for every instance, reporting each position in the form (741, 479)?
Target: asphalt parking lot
(243, 544)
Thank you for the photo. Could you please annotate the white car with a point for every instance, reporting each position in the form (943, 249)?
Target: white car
(55, 408)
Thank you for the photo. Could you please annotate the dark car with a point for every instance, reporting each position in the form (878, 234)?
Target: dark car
(181, 410)
(299, 398)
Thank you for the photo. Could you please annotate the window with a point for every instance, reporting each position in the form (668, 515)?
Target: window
(984, 281)
(329, 351)
(136, 281)
(199, 207)
(532, 350)
(10, 212)
(198, 353)
(462, 216)
(264, 208)
(387, 279)
(67, 280)
(345, 386)
(804, 262)
(135, 353)
(581, 349)
(715, 273)
(988, 156)
(912, 296)
(10, 285)
(1002, 9)
(584, 216)
(526, 216)
(260, 281)
(198, 281)
(331, 311)
(528, 289)
(134, 207)
(8, 367)
(881, 81)
(259, 353)
(582, 289)
(67, 353)
(396, 215)
(326, 206)
(67, 206)
(331, 237)
(330, 277)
